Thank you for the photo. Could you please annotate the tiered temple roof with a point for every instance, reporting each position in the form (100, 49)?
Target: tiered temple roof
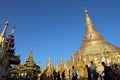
(28, 68)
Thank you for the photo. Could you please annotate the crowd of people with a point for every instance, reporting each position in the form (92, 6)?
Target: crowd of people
(111, 72)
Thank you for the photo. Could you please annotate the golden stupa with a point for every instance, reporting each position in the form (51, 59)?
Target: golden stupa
(95, 48)
(61, 65)
(49, 68)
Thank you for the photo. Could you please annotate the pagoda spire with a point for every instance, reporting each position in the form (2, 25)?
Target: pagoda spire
(30, 58)
(61, 65)
(73, 58)
(3, 34)
(89, 24)
(49, 61)
(13, 30)
(61, 60)
(91, 33)
(49, 67)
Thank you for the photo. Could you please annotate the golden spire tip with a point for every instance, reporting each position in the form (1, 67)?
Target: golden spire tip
(86, 11)
(6, 23)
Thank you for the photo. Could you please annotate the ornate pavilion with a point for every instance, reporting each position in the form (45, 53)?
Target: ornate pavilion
(29, 68)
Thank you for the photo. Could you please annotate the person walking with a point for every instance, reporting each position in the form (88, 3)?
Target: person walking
(63, 75)
(93, 71)
(58, 75)
(74, 73)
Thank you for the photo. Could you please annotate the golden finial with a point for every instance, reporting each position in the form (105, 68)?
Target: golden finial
(3, 34)
(86, 11)
(32, 47)
(49, 61)
(88, 20)
(49, 67)
(13, 30)
(7, 23)
(73, 59)
(61, 65)
(30, 58)
(31, 53)
(61, 61)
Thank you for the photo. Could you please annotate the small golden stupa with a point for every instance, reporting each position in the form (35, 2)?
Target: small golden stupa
(49, 68)
(61, 65)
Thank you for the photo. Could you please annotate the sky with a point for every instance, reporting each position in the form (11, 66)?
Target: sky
(56, 27)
